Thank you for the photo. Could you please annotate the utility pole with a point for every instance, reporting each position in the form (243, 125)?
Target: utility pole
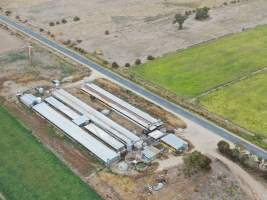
(30, 55)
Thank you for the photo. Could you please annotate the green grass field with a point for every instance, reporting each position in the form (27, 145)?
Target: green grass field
(195, 70)
(28, 171)
(244, 103)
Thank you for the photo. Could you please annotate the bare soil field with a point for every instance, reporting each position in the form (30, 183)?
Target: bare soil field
(136, 28)
(8, 42)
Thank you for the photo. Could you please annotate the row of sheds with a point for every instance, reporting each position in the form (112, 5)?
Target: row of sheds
(134, 114)
(106, 140)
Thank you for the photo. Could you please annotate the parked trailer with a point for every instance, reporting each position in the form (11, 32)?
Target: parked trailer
(134, 114)
(98, 118)
(100, 150)
(105, 137)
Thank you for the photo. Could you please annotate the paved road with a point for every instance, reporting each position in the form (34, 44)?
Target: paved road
(177, 110)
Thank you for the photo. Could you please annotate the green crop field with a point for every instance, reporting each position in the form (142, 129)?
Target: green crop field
(28, 171)
(195, 70)
(244, 103)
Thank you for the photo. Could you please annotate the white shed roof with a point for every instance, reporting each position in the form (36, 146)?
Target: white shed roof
(174, 142)
(156, 134)
(103, 152)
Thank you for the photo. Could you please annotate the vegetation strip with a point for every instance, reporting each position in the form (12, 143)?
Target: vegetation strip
(29, 171)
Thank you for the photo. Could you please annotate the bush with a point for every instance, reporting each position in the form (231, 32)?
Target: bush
(127, 65)
(57, 23)
(224, 147)
(115, 65)
(196, 161)
(76, 18)
(138, 62)
(105, 62)
(8, 13)
(64, 21)
(106, 32)
(41, 30)
(150, 57)
(202, 13)
(51, 24)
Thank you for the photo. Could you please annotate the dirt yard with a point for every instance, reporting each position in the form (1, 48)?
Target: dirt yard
(8, 42)
(137, 28)
(218, 184)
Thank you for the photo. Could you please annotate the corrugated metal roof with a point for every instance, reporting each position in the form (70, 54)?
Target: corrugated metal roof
(81, 120)
(121, 106)
(28, 99)
(88, 111)
(150, 152)
(103, 152)
(62, 108)
(156, 134)
(104, 136)
(174, 142)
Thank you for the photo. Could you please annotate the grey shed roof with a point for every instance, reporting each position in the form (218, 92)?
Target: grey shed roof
(103, 152)
(174, 142)
(150, 152)
(28, 99)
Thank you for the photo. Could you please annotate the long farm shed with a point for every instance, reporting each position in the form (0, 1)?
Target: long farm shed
(134, 114)
(104, 153)
(96, 117)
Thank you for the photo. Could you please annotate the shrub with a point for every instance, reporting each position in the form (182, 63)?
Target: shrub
(115, 65)
(202, 13)
(51, 24)
(8, 13)
(138, 62)
(224, 147)
(41, 30)
(196, 161)
(64, 21)
(127, 65)
(76, 18)
(48, 32)
(57, 22)
(150, 57)
(106, 32)
(105, 62)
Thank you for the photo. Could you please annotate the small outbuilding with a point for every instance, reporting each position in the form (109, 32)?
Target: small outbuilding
(149, 154)
(156, 135)
(29, 100)
(174, 143)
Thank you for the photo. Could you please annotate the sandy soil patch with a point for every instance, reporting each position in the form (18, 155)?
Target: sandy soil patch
(137, 28)
(9, 42)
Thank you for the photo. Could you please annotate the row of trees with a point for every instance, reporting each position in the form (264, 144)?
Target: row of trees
(244, 158)
(201, 14)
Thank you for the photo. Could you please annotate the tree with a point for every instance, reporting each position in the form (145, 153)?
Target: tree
(150, 57)
(202, 13)
(115, 65)
(138, 62)
(76, 18)
(180, 19)
(224, 147)
(196, 161)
